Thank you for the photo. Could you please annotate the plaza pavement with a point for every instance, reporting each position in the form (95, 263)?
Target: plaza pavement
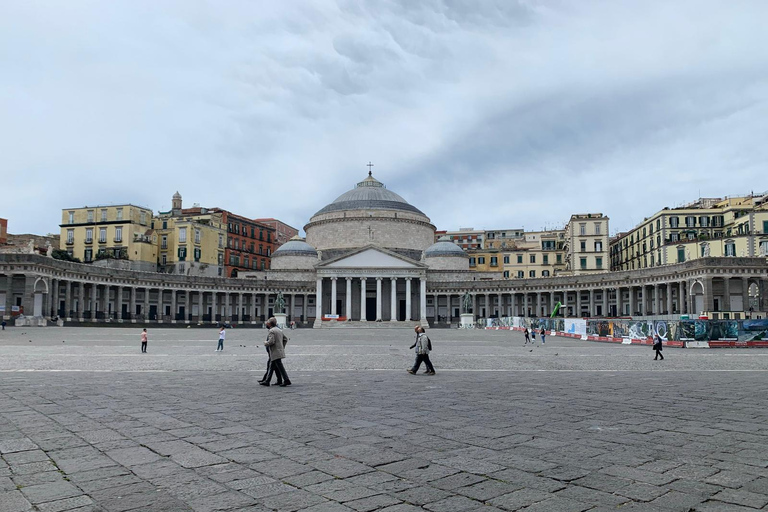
(89, 423)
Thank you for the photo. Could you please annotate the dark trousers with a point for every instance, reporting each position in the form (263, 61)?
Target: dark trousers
(277, 367)
(425, 359)
(220, 345)
(658, 354)
(143, 346)
(268, 374)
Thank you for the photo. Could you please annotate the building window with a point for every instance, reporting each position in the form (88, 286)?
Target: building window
(221, 259)
(103, 215)
(545, 273)
(597, 228)
(506, 260)
(88, 255)
(764, 248)
(103, 235)
(182, 268)
(263, 264)
(88, 235)
(165, 224)
(520, 274)
(582, 229)
(506, 274)
(143, 217)
(471, 260)
(197, 236)
(690, 221)
(559, 259)
(583, 262)
(164, 242)
(119, 234)
(481, 260)
(680, 254)
(533, 258)
(70, 236)
(182, 253)
(163, 259)
(599, 262)
(119, 214)
(494, 261)
(704, 222)
(90, 215)
(520, 258)
(583, 245)
(221, 241)
(71, 217)
(546, 259)
(598, 246)
(730, 248)
(182, 235)
(531, 273)
(197, 253)
(237, 244)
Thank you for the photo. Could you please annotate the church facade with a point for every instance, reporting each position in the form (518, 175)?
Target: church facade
(370, 257)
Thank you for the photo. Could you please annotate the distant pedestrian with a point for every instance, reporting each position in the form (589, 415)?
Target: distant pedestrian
(144, 341)
(3, 324)
(533, 336)
(222, 335)
(658, 346)
(543, 335)
(276, 346)
(423, 346)
(527, 336)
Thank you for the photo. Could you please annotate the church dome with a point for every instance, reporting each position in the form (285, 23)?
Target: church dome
(444, 248)
(369, 194)
(295, 247)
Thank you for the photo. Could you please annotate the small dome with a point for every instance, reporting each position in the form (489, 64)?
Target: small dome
(295, 247)
(443, 248)
(177, 195)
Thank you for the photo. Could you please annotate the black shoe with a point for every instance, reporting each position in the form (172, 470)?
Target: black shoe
(287, 383)
(282, 385)
(264, 383)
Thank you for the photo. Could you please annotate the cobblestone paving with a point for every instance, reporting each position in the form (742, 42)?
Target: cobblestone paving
(572, 426)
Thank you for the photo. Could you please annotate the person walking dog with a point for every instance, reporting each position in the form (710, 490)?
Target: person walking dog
(144, 341)
(276, 345)
(423, 346)
(657, 346)
(222, 335)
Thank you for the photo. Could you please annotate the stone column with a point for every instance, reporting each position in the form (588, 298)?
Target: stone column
(333, 296)
(188, 308)
(487, 305)
(252, 306)
(606, 302)
(239, 307)
(132, 304)
(682, 303)
(423, 300)
(348, 299)
(643, 302)
(319, 302)
(213, 306)
(174, 309)
(119, 303)
(227, 308)
(631, 301)
(53, 307)
(552, 302)
(393, 300)
(378, 299)
(709, 295)
(501, 305)
(146, 303)
(578, 303)
(80, 300)
(474, 306)
(537, 311)
(619, 302)
(591, 302)
(668, 289)
(362, 300)
(745, 293)
(407, 299)
(726, 306)
(657, 299)
(305, 299)
(67, 300)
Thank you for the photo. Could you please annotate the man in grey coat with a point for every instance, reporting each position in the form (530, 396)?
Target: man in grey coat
(276, 345)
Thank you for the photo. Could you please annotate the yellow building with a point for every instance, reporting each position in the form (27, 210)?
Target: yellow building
(586, 244)
(709, 227)
(119, 235)
(191, 241)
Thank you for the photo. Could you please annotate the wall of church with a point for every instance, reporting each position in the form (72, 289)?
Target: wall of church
(385, 232)
(280, 262)
(447, 263)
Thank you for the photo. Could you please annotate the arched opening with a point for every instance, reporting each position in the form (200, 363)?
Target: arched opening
(234, 273)
(697, 297)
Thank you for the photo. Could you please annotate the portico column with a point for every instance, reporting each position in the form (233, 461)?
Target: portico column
(132, 304)
(253, 307)
(188, 308)
(227, 308)
(619, 302)
(578, 303)
(304, 308)
(80, 300)
(213, 306)
(668, 289)
(363, 305)
(552, 302)
(605, 302)
(423, 300)
(631, 301)
(67, 299)
(657, 299)
(319, 302)
(53, 301)
(119, 302)
(487, 305)
(173, 306)
(378, 299)
(591, 302)
(744, 294)
(682, 304)
(348, 300)
(474, 306)
(333, 296)
(393, 300)
(146, 303)
(407, 299)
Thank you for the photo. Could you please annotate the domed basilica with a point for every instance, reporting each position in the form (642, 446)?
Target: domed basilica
(371, 254)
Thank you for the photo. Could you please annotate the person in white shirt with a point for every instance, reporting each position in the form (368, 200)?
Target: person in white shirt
(222, 335)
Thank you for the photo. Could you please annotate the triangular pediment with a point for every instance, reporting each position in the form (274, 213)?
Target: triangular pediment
(372, 257)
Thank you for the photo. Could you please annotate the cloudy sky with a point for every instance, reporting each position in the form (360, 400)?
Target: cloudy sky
(489, 114)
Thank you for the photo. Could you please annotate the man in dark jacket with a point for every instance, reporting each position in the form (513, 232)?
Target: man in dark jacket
(276, 346)
(657, 346)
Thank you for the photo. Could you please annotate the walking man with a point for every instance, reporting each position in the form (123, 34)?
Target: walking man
(144, 341)
(543, 335)
(527, 336)
(423, 346)
(657, 346)
(222, 335)
(275, 345)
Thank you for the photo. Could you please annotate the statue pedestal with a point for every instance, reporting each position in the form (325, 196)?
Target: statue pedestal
(281, 318)
(467, 321)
